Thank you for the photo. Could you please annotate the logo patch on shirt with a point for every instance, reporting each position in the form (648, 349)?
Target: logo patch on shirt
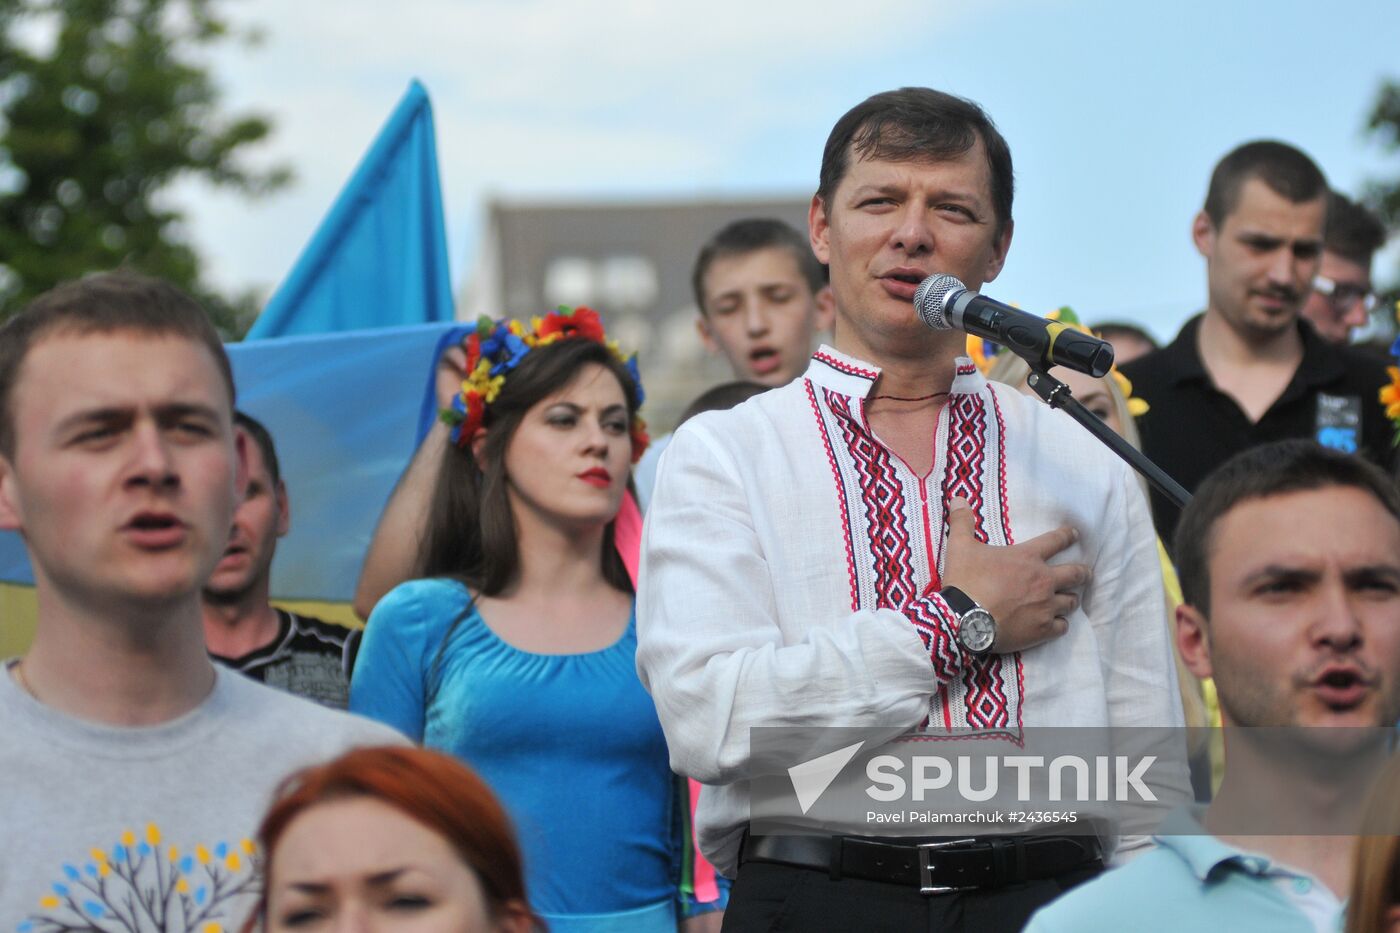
(144, 886)
(1339, 422)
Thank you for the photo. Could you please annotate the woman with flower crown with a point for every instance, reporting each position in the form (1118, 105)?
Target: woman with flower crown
(516, 650)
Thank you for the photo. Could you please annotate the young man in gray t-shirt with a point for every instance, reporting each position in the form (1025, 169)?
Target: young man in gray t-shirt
(133, 771)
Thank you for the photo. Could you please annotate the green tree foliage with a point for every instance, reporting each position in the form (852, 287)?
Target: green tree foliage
(1383, 196)
(1384, 126)
(103, 104)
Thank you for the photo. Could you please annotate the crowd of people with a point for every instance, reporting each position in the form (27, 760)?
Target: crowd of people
(571, 636)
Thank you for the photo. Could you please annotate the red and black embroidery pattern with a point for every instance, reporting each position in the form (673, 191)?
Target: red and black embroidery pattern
(845, 510)
(890, 565)
(991, 694)
(882, 494)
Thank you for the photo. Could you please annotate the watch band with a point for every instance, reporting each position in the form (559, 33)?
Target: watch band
(957, 600)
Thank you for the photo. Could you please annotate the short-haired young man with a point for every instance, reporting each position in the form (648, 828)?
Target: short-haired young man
(810, 555)
(762, 297)
(278, 647)
(1299, 630)
(1247, 371)
(1342, 296)
(134, 770)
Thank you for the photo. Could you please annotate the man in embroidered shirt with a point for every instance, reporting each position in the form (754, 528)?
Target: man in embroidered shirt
(1298, 630)
(801, 549)
(1342, 298)
(1247, 371)
(283, 649)
(134, 770)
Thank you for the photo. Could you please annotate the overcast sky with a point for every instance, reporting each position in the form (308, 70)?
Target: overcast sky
(1115, 113)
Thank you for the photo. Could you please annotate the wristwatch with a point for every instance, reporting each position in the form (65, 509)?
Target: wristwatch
(977, 630)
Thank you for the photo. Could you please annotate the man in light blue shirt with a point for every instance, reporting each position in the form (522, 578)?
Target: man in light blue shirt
(1289, 557)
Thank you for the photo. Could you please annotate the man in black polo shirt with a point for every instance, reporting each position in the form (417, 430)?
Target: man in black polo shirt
(1248, 370)
(300, 654)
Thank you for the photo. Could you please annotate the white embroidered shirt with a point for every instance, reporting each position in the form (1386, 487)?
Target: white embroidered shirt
(790, 569)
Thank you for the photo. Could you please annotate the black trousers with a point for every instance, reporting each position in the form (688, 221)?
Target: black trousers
(772, 897)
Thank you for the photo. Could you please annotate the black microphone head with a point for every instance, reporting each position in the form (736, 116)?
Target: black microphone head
(933, 298)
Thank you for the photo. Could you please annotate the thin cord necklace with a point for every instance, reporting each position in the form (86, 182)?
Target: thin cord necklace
(23, 681)
(907, 398)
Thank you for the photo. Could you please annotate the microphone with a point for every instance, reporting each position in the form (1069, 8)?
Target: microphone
(944, 303)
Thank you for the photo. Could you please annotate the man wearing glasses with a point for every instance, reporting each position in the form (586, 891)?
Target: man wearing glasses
(1342, 299)
(1247, 371)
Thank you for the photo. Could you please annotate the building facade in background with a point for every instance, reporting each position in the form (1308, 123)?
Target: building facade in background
(629, 259)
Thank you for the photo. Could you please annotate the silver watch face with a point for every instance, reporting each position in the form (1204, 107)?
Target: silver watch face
(977, 630)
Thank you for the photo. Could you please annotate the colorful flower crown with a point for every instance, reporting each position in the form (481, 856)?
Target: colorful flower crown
(497, 347)
(984, 353)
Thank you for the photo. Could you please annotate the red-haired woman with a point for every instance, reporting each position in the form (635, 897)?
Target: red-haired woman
(390, 838)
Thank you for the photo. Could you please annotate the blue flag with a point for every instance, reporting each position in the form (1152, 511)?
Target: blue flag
(379, 258)
(346, 412)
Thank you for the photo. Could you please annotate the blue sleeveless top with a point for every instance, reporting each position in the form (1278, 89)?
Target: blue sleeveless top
(570, 744)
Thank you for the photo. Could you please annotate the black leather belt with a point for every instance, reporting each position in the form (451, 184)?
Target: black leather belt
(938, 866)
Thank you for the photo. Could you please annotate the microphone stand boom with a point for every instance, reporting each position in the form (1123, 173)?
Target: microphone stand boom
(1057, 395)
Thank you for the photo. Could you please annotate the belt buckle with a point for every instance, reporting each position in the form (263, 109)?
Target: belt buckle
(926, 854)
